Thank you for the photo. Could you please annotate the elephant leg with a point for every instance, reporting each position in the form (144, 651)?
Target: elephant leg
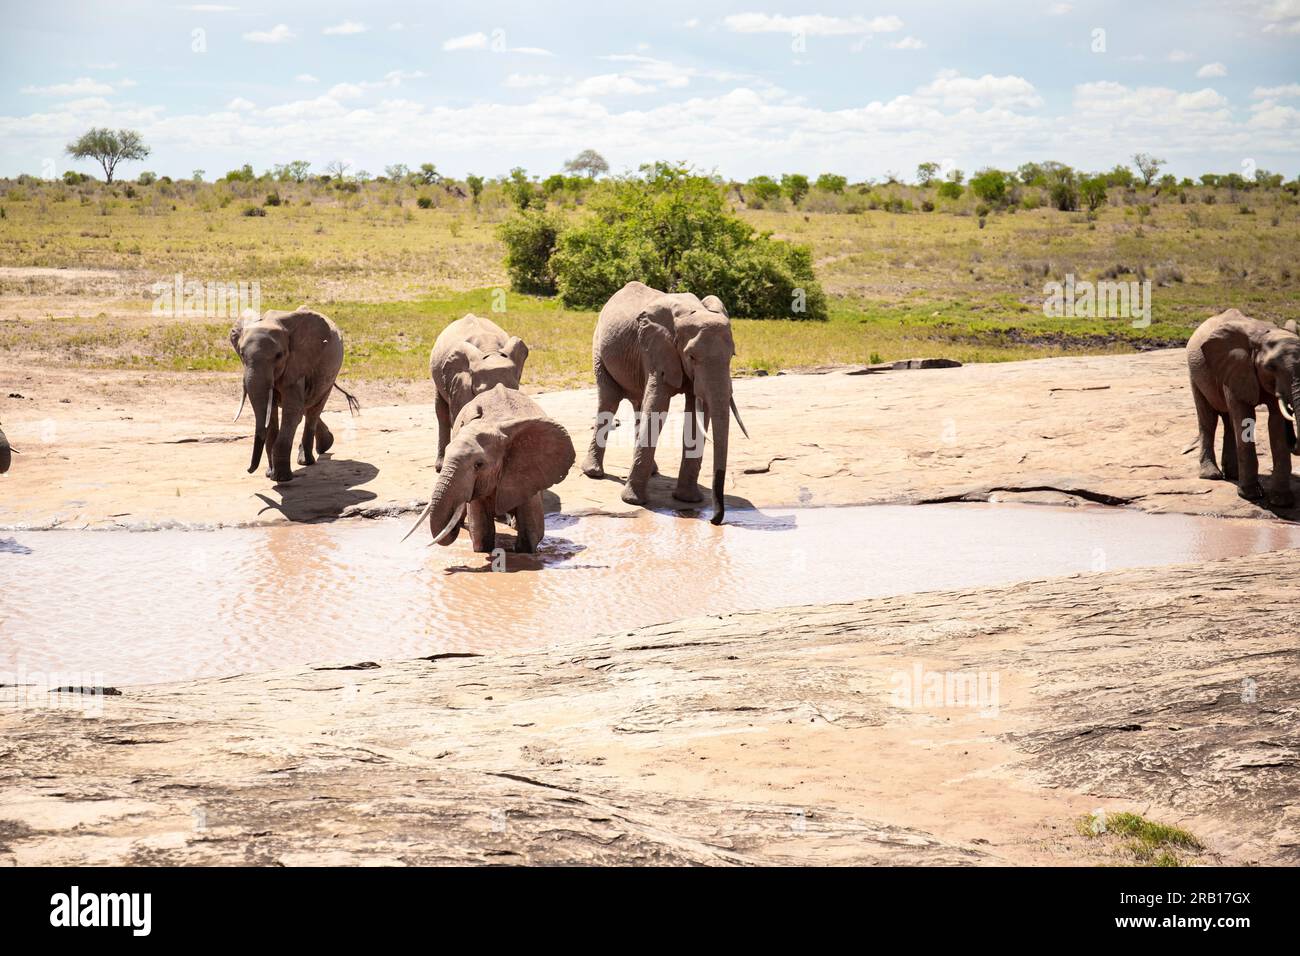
(481, 526)
(1229, 456)
(324, 437)
(608, 395)
(1207, 420)
(1279, 486)
(530, 525)
(1243, 426)
(653, 406)
(636, 427)
(306, 455)
(290, 417)
(444, 428)
(688, 475)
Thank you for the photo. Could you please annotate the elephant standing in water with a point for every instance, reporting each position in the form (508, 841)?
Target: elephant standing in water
(291, 361)
(1237, 363)
(5, 451)
(470, 357)
(648, 347)
(503, 452)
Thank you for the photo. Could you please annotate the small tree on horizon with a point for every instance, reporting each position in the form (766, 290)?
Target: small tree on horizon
(926, 173)
(108, 148)
(1148, 166)
(589, 162)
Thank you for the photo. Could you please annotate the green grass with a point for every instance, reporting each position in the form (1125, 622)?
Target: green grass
(1147, 842)
(392, 275)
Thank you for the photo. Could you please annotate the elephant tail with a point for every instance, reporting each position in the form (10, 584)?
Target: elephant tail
(353, 405)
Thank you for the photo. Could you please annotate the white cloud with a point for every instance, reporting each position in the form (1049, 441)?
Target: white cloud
(280, 33)
(1283, 16)
(1059, 9)
(470, 41)
(81, 86)
(126, 84)
(691, 24)
(1178, 56)
(240, 105)
(306, 78)
(92, 104)
(1289, 89)
(608, 84)
(346, 28)
(810, 24)
(951, 89)
(908, 43)
(345, 91)
(525, 81)
(1212, 70)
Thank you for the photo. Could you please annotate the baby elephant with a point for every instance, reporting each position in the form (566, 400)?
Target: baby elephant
(5, 451)
(291, 360)
(503, 452)
(1237, 363)
(469, 357)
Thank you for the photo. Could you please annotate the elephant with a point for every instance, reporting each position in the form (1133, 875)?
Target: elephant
(1237, 363)
(5, 451)
(291, 361)
(470, 357)
(503, 452)
(647, 347)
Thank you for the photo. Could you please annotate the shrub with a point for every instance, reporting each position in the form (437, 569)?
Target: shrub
(1063, 188)
(764, 189)
(950, 190)
(272, 199)
(530, 240)
(254, 211)
(990, 185)
(831, 183)
(1093, 190)
(147, 178)
(244, 174)
(425, 202)
(671, 230)
(927, 205)
(795, 185)
(982, 210)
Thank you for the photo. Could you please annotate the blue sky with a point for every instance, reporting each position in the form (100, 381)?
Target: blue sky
(743, 88)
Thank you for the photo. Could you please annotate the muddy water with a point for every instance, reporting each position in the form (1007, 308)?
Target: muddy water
(122, 607)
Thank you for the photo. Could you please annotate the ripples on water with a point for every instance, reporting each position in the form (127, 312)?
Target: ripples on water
(169, 605)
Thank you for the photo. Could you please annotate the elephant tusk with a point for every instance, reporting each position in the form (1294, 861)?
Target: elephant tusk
(735, 411)
(241, 406)
(270, 408)
(456, 518)
(1286, 412)
(418, 521)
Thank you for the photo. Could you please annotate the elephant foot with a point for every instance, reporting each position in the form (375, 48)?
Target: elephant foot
(524, 546)
(1282, 498)
(280, 475)
(632, 496)
(324, 440)
(691, 493)
(1230, 472)
(1251, 492)
(1210, 471)
(305, 457)
(592, 468)
(654, 469)
(437, 465)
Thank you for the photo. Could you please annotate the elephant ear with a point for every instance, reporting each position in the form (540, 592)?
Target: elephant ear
(1290, 326)
(656, 332)
(517, 352)
(539, 453)
(454, 374)
(714, 304)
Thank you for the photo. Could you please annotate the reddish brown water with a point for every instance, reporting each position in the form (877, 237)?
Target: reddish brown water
(122, 607)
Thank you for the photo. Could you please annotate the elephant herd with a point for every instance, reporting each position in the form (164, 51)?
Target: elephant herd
(497, 449)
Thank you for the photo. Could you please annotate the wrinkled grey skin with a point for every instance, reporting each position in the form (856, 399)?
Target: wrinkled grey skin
(503, 452)
(5, 452)
(1236, 364)
(469, 357)
(291, 360)
(649, 346)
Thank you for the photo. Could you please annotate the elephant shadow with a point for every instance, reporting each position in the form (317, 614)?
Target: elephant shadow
(324, 491)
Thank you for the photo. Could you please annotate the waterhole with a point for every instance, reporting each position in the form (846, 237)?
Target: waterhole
(116, 607)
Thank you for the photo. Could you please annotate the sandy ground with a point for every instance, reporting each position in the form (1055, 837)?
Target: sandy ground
(128, 449)
(771, 736)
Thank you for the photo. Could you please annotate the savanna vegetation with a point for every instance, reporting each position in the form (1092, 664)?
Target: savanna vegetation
(944, 264)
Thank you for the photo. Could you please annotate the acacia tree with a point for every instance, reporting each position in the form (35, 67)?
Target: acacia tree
(108, 148)
(588, 161)
(1148, 166)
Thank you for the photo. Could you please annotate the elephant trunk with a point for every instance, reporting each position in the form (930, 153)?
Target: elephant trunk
(719, 410)
(447, 504)
(260, 390)
(5, 452)
(1290, 425)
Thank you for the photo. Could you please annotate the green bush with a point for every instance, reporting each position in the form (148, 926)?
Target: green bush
(272, 199)
(831, 183)
(990, 185)
(530, 239)
(147, 178)
(1093, 190)
(671, 230)
(425, 202)
(950, 190)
